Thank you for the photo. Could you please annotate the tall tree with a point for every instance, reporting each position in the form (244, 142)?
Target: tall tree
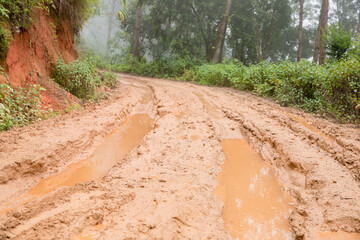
(358, 25)
(111, 19)
(222, 30)
(136, 43)
(320, 51)
(300, 39)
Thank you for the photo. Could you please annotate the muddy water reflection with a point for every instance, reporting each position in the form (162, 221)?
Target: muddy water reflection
(255, 206)
(116, 146)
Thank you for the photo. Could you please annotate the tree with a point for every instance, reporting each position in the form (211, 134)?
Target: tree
(320, 51)
(136, 43)
(301, 19)
(111, 14)
(221, 31)
(358, 25)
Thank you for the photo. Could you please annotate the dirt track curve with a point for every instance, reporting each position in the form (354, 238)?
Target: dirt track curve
(146, 164)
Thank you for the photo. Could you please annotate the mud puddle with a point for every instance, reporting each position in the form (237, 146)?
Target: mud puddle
(255, 207)
(116, 146)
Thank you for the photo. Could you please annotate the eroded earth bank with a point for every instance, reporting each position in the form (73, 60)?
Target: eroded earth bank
(147, 162)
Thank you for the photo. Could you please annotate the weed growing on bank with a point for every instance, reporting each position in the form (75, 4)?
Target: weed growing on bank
(20, 106)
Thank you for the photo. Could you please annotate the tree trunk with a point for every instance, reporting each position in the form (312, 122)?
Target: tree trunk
(268, 39)
(320, 51)
(258, 42)
(358, 26)
(136, 44)
(208, 51)
(301, 20)
(221, 52)
(111, 23)
(220, 33)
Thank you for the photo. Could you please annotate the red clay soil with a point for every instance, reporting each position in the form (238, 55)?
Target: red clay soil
(32, 51)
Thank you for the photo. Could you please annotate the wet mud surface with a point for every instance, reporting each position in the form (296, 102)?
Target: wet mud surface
(170, 160)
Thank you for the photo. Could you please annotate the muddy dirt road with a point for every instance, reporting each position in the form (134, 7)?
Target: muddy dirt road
(170, 160)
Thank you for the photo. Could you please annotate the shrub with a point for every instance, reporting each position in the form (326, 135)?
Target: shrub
(300, 84)
(338, 41)
(219, 74)
(80, 77)
(20, 106)
(5, 40)
(109, 79)
(342, 87)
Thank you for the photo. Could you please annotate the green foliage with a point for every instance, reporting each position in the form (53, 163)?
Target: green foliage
(219, 74)
(80, 77)
(338, 41)
(330, 89)
(20, 106)
(77, 11)
(19, 12)
(342, 87)
(109, 79)
(354, 51)
(172, 67)
(5, 40)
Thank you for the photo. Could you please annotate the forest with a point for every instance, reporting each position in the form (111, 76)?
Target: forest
(301, 53)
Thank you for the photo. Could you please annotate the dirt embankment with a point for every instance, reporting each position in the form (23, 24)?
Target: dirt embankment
(32, 52)
(164, 188)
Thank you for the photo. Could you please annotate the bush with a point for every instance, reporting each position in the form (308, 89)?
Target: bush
(20, 106)
(338, 41)
(219, 74)
(109, 79)
(342, 87)
(300, 84)
(172, 67)
(80, 77)
(5, 40)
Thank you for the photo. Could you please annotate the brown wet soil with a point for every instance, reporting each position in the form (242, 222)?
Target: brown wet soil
(336, 236)
(159, 182)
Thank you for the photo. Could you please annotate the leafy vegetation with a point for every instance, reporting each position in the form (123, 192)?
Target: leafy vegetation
(81, 77)
(338, 41)
(20, 106)
(331, 89)
(5, 40)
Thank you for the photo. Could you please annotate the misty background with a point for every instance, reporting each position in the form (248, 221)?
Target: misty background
(107, 36)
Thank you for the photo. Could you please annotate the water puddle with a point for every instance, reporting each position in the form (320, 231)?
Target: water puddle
(255, 207)
(307, 125)
(337, 236)
(91, 234)
(116, 146)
